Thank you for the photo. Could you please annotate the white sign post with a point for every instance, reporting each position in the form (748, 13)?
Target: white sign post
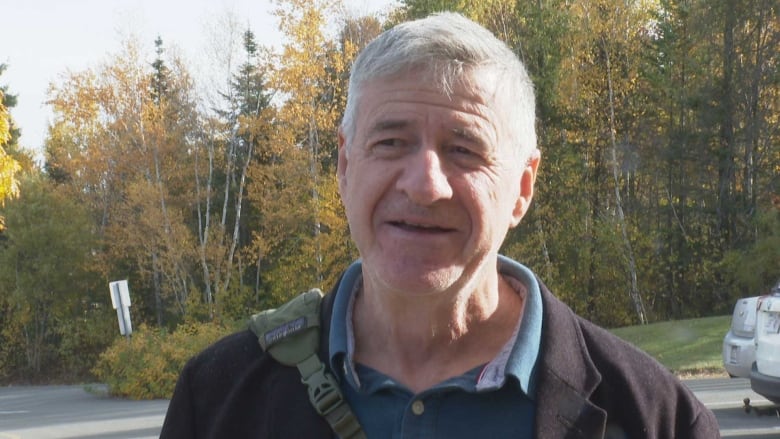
(120, 300)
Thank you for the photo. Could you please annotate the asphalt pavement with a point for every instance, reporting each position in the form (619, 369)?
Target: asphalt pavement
(64, 412)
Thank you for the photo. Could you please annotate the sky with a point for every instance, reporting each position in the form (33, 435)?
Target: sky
(42, 40)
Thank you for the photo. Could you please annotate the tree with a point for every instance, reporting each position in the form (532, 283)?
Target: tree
(622, 27)
(712, 104)
(121, 142)
(45, 275)
(245, 126)
(8, 138)
(754, 269)
(303, 232)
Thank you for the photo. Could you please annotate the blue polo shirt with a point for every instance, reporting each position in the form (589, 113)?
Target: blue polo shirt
(494, 400)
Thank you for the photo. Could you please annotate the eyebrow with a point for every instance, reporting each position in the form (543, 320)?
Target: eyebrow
(466, 134)
(390, 124)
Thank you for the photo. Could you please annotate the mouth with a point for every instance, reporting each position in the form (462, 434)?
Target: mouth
(420, 227)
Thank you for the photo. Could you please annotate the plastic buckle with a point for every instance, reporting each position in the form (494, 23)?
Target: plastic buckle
(323, 390)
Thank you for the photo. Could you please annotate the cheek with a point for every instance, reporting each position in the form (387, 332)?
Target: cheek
(361, 194)
(482, 195)
(354, 204)
(490, 203)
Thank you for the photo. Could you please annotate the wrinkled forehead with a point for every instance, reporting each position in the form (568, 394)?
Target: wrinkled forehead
(480, 84)
(447, 77)
(491, 86)
(473, 100)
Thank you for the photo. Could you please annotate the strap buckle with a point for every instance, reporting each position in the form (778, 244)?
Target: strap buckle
(326, 397)
(323, 390)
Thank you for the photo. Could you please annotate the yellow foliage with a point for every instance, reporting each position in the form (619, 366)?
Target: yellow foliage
(147, 365)
(303, 232)
(498, 16)
(5, 126)
(9, 186)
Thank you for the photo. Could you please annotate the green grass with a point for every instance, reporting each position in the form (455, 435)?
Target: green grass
(686, 347)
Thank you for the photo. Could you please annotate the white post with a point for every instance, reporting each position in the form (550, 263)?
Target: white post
(120, 300)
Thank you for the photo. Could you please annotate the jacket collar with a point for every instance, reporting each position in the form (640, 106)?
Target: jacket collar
(567, 377)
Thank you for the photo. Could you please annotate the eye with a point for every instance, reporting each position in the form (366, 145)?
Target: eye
(390, 147)
(464, 153)
(462, 150)
(391, 142)
(465, 157)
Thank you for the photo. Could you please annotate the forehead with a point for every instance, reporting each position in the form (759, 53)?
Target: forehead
(471, 99)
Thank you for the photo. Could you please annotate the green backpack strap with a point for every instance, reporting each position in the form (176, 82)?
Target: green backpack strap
(291, 335)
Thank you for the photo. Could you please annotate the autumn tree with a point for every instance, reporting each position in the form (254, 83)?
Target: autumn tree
(9, 135)
(712, 148)
(304, 231)
(46, 279)
(606, 73)
(120, 141)
(224, 208)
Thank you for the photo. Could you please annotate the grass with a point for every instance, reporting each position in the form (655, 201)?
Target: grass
(686, 347)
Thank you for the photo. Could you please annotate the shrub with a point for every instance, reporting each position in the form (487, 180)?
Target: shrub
(80, 342)
(147, 364)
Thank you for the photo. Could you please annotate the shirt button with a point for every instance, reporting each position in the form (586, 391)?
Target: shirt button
(418, 407)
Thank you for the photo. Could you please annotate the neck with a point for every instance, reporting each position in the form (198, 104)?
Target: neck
(423, 340)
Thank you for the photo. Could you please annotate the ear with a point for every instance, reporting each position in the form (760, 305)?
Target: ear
(341, 168)
(527, 181)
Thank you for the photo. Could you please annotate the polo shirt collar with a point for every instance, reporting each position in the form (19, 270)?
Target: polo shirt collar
(340, 336)
(517, 359)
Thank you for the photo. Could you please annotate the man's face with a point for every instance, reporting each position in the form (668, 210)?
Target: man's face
(431, 183)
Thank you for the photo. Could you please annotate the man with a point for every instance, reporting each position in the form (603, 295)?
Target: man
(433, 333)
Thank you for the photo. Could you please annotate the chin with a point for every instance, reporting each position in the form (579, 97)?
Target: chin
(421, 282)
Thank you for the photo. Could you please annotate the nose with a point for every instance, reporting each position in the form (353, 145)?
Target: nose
(424, 179)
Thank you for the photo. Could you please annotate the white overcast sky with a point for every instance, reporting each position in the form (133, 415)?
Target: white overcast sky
(40, 40)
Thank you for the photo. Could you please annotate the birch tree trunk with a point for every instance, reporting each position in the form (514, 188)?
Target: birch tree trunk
(636, 297)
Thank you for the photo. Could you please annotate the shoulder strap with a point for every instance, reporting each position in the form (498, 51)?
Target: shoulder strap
(291, 335)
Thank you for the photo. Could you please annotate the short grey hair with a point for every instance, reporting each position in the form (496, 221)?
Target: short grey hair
(448, 47)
